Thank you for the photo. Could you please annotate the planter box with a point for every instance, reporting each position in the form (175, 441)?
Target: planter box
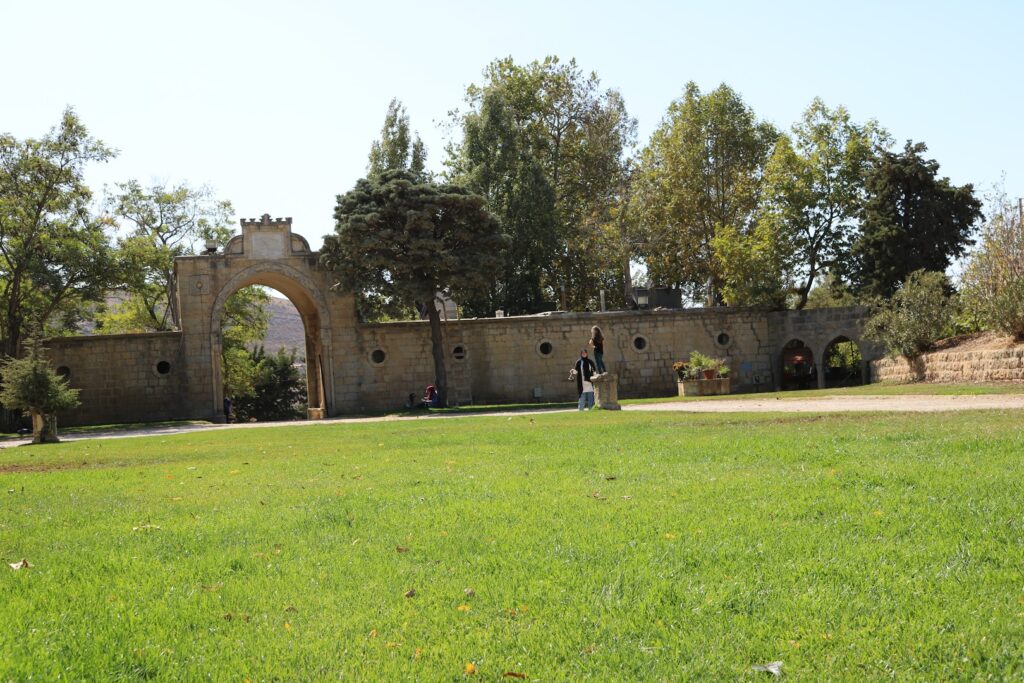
(704, 387)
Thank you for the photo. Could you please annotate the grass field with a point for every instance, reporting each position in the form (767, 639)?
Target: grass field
(917, 389)
(606, 546)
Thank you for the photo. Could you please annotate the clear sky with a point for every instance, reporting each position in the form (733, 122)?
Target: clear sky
(275, 104)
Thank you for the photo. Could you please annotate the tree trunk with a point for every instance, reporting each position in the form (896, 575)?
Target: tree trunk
(44, 427)
(437, 342)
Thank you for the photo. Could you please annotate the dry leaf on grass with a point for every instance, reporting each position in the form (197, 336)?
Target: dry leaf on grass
(411, 592)
(513, 674)
(401, 549)
(469, 592)
(470, 666)
(23, 564)
(773, 668)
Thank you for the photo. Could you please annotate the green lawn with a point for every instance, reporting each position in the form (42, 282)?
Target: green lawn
(604, 546)
(917, 389)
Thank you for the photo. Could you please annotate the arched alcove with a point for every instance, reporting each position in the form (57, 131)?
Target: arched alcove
(798, 366)
(842, 363)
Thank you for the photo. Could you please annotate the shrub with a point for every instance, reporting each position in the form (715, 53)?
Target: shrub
(920, 313)
(31, 385)
(994, 278)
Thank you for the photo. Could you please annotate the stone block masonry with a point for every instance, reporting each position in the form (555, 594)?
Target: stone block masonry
(354, 367)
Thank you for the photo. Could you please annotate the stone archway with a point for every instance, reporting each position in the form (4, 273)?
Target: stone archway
(265, 253)
(302, 291)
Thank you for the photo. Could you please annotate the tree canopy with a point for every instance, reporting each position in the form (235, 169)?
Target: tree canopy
(912, 220)
(413, 240)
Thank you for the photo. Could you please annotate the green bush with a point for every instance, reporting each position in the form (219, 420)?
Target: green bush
(919, 314)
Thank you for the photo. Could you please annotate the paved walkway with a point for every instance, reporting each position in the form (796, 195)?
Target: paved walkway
(841, 404)
(824, 404)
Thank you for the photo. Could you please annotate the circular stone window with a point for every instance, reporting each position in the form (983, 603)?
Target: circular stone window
(640, 343)
(378, 356)
(723, 339)
(163, 367)
(64, 371)
(459, 352)
(545, 348)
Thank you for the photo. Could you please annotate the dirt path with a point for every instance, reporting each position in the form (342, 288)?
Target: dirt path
(840, 404)
(826, 404)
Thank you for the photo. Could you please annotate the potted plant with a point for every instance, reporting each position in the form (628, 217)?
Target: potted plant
(702, 375)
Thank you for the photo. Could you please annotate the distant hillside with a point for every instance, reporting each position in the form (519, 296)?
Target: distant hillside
(285, 328)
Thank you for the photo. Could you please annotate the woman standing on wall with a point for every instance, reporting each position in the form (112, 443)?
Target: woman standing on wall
(597, 341)
(584, 371)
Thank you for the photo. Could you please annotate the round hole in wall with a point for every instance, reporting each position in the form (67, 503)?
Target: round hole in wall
(545, 348)
(64, 371)
(723, 339)
(163, 367)
(459, 352)
(378, 356)
(640, 342)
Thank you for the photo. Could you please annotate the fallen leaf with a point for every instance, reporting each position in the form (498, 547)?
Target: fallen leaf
(597, 495)
(146, 527)
(773, 668)
(795, 643)
(670, 536)
(401, 549)
(373, 633)
(463, 607)
(391, 644)
(411, 592)
(24, 564)
(513, 674)
(470, 666)
(627, 497)
(610, 478)
(291, 608)
(416, 654)
(469, 592)
(287, 626)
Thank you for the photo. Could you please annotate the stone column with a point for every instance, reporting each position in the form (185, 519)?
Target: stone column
(606, 391)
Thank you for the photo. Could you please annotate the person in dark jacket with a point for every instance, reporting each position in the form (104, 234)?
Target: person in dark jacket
(584, 373)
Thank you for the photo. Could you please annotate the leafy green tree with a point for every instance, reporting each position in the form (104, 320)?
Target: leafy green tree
(30, 384)
(414, 240)
(547, 148)
(994, 278)
(754, 266)
(920, 313)
(912, 220)
(814, 189)
(55, 256)
(279, 389)
(700, 172)
(161, 223)
(243, 328)
(397, 150)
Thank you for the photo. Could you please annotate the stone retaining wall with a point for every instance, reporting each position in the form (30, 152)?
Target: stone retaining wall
(1002, 365)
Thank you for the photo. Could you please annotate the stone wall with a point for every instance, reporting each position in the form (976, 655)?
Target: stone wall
(123, 377)
(1002, 365)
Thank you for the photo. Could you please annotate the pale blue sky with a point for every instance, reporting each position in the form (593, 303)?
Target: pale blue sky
(275, 104)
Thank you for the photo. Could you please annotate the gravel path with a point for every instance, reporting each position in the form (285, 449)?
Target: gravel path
(826, 404)
(841, 404)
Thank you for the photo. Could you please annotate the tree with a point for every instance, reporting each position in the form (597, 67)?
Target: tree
(243, 328)
(994, 278)
(279, 388)
(397, 150)
(162, 223)
(912, 220)
(754, 266)
(814, 189)
(413, 240)
(31, 385)
(547, 149)
(920, 313)
(55, 257)
(700, 173)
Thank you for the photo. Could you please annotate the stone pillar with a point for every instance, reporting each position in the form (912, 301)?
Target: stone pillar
(606, 391)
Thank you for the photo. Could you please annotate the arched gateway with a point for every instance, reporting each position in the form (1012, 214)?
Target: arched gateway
(266, 253)
(354, 367)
